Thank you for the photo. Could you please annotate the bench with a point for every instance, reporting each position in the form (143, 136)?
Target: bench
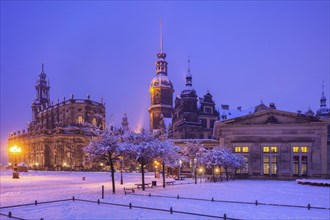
(139, 185)
(182, 177)
(129, 190)
(169, 182)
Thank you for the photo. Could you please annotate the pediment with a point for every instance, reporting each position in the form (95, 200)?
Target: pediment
(273, 116)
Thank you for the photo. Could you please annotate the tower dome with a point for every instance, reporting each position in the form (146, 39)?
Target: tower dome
(161, 80)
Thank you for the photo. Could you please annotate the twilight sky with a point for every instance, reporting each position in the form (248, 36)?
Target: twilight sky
(241, 51)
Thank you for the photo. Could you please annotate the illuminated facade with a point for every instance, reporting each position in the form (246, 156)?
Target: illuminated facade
(57, 133)
(161, 92)
(278, 144)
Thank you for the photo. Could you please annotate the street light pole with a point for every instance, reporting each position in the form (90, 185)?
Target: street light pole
(121, 173)
(15, 150)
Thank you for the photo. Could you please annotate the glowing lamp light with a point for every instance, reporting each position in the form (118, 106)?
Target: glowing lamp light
(217, 170)
(101, 164)
(64, 164)
(200, 170)
(14, 149)
(37, 164)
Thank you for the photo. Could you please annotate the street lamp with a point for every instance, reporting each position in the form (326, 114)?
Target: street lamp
(180, 164)
(15, 150)
(121, 169)
(200, 173)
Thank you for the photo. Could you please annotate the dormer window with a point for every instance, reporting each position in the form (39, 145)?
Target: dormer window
(208, 110)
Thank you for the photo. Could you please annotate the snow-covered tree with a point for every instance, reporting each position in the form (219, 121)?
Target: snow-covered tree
(226, 160)
(141, 147)
(106, 148)
(238, 162)
(193, 152)
(167, 153)
(212, 159)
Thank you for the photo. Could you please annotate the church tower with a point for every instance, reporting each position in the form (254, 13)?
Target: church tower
(42, 94)
(161, 90)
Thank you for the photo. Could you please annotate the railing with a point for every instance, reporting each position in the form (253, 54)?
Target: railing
(256, 202)
(171, 210)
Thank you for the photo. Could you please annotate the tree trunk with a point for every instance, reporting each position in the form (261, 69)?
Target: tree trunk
(213, 176)
(142, 171)
(163, 174)
(235, 173)
(226, 170)
(195, 175)
(113, 176)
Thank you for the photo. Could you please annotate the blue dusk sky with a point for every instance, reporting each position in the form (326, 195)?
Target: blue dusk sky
(241, 51)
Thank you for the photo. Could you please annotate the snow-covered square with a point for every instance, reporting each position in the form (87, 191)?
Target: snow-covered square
(184, 197)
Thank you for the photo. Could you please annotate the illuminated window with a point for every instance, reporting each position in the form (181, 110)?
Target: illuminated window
(273, 149)
(295, 165)
(304, 165)
(246, 168)
(295, 149)
(304, 149)
(274, 165)
(245, 149)
(237, 149)
(94, 121)
(266, 149)
(266, 165)
(80, 120)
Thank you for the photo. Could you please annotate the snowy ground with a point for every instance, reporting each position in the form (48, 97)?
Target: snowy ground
(46, 186)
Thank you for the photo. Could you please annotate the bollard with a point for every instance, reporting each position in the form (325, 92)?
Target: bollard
(98, 201)
(102, 192)
(212, 199)
(177, 197)
(256, 202)
(171, 210)
(130, 205)
(309, 206)
(149, 194)
(72, 198)
(9, 214)
(35, 202)
(84, 178)
(41, 218)
(133, 190)
(225, 216)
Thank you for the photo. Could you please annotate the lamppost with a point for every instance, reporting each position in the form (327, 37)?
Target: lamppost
(200, 174)
(179, 173)
(156, 163)
(121, 172)
(15, 150)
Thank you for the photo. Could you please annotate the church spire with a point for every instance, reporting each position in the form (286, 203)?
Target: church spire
(323, 98)
(42, 74)
(161, 36)
(188, 76)
(161, 64)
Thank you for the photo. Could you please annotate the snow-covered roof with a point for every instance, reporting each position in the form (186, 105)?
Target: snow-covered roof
(229, 113)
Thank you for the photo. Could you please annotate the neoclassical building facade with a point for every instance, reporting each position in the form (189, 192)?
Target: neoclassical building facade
(278, 144)
(55, 137)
